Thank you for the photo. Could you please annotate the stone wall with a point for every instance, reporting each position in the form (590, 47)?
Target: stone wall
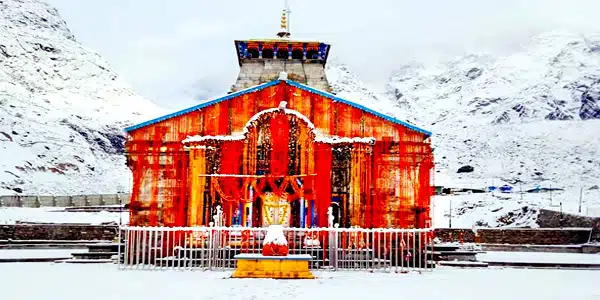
(516, 236)
(555, 219)
(58, 232)
(63, 201)
(258, 71)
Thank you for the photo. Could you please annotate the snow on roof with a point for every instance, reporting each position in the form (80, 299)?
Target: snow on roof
(340, 140)
(199, 138)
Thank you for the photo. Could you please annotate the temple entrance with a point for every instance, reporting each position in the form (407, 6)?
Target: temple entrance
(258, 200)
(278, 172)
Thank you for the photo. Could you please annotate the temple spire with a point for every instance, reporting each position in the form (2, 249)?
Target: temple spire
(285, 22)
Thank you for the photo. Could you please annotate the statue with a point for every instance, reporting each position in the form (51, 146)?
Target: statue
(276, 212)
(275, 243)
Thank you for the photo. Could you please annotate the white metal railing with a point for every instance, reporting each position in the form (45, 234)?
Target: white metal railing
(214, 248)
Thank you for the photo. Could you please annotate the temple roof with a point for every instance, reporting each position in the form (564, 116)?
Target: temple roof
(272, 83)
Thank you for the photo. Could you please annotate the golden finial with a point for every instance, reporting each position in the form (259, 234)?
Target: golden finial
(285, 25)
(284, 20)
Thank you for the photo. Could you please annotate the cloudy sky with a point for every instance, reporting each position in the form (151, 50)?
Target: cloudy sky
(178, 52)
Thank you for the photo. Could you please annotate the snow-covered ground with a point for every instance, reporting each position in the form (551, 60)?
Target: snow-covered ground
(539, 257)
(10, 215)
(106, 282)
(513, 210)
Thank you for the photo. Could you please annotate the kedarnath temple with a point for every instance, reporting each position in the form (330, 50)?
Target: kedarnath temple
(280, 144)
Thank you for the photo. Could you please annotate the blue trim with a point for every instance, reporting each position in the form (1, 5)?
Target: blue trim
(269, 84)
(335, 98)
(203, 105)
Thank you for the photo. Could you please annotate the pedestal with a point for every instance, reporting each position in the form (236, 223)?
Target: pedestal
(278, 267)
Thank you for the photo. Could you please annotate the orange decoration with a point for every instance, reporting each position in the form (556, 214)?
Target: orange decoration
(250, 147)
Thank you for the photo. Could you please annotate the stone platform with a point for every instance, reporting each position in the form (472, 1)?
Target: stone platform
(278, 267)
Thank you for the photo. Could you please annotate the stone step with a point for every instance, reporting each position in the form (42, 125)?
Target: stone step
(85, 261)
(114, 247)
(52, 242)
(545, 265)
(459, 252)
(464, 264)
(31, 259)
(94, 255)
(585, 248)
(43, 246)
(443, 247)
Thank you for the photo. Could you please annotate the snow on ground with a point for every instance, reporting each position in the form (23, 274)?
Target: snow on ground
(539, 257)
(39, 253)
(512, 209)
(10, 215)
(106, 282)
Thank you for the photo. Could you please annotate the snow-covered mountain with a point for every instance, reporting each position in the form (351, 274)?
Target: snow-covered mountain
(62, 111)
(527, 119)
(533, 116)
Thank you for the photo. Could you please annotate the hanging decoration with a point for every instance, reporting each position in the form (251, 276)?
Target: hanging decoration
(246, 147)
(323, 180)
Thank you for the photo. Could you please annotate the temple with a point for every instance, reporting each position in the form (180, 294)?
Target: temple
(280, 146)
(262, 60)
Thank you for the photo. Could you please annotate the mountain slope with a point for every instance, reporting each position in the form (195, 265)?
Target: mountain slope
(61, 108)
(529, 117)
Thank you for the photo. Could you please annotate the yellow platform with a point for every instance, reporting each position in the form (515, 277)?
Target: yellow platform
(278, 267)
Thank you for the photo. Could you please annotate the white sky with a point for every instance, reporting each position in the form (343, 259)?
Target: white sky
(179, 51)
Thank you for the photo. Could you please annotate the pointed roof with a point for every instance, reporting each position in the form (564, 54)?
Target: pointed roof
(272, 83)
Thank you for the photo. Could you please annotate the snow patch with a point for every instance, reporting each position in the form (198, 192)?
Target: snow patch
(275, 236)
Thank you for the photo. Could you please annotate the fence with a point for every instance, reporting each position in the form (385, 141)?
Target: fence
(63, 201)
(214, 248)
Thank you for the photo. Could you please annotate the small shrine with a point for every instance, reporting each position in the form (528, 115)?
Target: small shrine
(275, 260)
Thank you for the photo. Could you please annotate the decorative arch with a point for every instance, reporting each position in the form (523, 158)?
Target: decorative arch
(285, 137)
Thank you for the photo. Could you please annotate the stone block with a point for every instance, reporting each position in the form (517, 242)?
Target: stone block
(58, 232)
(79, 200)
(29, 201)
(517, 236)
(47, 201)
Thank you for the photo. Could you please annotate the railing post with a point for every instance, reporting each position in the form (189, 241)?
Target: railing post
(334, 247)
(119, 249)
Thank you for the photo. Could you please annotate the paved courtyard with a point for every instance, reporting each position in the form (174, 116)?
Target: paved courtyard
(29, 281)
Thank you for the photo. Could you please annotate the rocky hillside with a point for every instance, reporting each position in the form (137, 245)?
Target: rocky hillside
(531, 117)
(62, 109)
(528, 119)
